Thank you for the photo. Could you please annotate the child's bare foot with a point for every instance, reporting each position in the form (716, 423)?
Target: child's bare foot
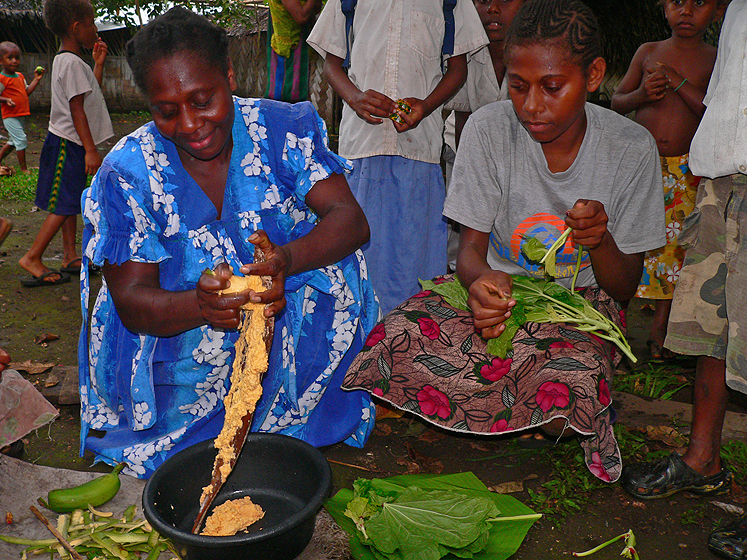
(5, 228)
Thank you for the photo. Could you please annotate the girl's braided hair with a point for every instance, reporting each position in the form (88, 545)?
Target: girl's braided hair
(567, 23)
(177, 30)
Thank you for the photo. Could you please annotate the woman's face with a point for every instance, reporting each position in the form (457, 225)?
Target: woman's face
(496, 16)
(191, 103)
(548, 89)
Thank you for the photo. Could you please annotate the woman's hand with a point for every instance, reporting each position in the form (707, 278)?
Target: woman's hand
(220, 311)
(588, 219)
(491, 302)
(276, 265)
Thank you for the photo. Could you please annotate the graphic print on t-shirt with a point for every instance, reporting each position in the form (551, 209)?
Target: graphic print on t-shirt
(547, 228)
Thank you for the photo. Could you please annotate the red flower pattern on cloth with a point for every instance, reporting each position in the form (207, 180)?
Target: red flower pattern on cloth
(429, 328)
(597, 469)
(433, 402)
(604, 393)
(553, 395)
(424, 293)
(561, 344)
(496, 368)
(377, 334)
(501, 426)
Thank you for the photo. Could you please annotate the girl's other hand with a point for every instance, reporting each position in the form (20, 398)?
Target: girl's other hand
(222, 312)
(588, 219)
(276, 265)
(491, 303)
(412, 119)
(99, 51)
(93, 161)
(372, 106)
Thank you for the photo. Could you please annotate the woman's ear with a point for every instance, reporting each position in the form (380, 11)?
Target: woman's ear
(231, 76)
(595, 74)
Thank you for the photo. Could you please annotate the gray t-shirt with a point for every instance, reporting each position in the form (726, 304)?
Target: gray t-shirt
(71, 76)
(501, 184)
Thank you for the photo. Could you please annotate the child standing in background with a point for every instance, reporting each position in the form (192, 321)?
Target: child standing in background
(485, 84)
(14, 96)
(665, 86)
(397, 178)
(78, 122)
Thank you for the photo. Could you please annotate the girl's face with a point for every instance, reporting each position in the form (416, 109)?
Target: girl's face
(690, 18)
(85, 31)
(496, 16)
(548, 89)
(191, 103)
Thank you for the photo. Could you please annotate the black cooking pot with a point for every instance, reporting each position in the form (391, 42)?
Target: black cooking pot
(287, 477)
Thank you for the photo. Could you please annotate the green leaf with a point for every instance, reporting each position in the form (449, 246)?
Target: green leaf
(419, 520)
(504, 538)
(453, 292)
(533, 248)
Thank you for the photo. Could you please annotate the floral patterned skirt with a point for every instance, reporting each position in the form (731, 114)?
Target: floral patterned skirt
(425, 357)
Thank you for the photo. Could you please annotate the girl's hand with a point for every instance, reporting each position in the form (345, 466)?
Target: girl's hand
(491, 303)
(372, 106)
(276, 265)
(223, 312)
(412, 119)
(588, 219)
(10, 103)
(99, 51)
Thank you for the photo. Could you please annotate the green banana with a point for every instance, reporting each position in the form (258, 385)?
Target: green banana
(94, 492)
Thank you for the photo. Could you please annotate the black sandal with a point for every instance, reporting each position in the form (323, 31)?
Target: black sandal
(731, 541)
(668, 476)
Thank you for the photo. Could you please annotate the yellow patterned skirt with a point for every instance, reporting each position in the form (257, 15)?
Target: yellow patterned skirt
(661, 267)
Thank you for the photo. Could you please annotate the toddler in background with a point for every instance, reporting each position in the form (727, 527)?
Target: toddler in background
(665, 86)
(14, 97)
(78, 121)
(397, 178)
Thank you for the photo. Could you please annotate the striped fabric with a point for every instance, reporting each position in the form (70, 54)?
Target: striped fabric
(288, 78)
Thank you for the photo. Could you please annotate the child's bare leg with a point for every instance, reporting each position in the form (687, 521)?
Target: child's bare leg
(5, 151)
(22, 160)
(32, 260)
(659, 323)
(710, 396)
(69, 231)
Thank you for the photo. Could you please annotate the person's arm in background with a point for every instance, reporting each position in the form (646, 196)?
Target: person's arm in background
(99, 56)
(370, 105)
(302, 12)
(80, 121)
(35, 82)
(636, 88)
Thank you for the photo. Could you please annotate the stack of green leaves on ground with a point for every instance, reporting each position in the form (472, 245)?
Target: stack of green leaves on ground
(429, 517)
(540, 301)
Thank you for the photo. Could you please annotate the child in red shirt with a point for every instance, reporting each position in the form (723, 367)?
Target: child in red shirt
(14, 100)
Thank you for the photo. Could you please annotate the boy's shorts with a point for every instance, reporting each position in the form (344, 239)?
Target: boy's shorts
(709, 309)
(17, 135)
(62, 176)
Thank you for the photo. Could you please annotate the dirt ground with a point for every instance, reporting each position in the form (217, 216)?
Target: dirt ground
(673, 528)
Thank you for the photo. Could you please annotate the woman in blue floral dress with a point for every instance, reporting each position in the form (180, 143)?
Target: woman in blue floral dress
(211, 177)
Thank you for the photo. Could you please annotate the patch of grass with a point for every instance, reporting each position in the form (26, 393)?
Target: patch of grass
(693, 516)
(657, 381)
(18, 187)
(570, 485)
(734, 453)
(133, 116)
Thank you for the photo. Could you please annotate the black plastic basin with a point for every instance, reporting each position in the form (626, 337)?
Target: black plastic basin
(287, 477)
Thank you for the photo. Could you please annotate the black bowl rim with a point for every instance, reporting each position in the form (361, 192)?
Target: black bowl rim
(190, 539)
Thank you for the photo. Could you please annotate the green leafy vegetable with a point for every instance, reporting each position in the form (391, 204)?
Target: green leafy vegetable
(536, 251)
(540, 301)
(427, 517)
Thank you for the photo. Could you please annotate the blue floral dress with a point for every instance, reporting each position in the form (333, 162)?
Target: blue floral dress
(154, 396)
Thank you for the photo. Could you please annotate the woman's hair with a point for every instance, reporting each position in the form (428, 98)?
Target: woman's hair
(59, 15)
(569, 24)
(177, 30)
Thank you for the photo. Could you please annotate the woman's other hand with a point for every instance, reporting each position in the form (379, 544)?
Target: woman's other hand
(588, 219)
(276, 265)
(491, 302)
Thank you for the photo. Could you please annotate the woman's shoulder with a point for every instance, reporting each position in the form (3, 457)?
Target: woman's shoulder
(619, 129)
(133, 153)
(279, 113)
